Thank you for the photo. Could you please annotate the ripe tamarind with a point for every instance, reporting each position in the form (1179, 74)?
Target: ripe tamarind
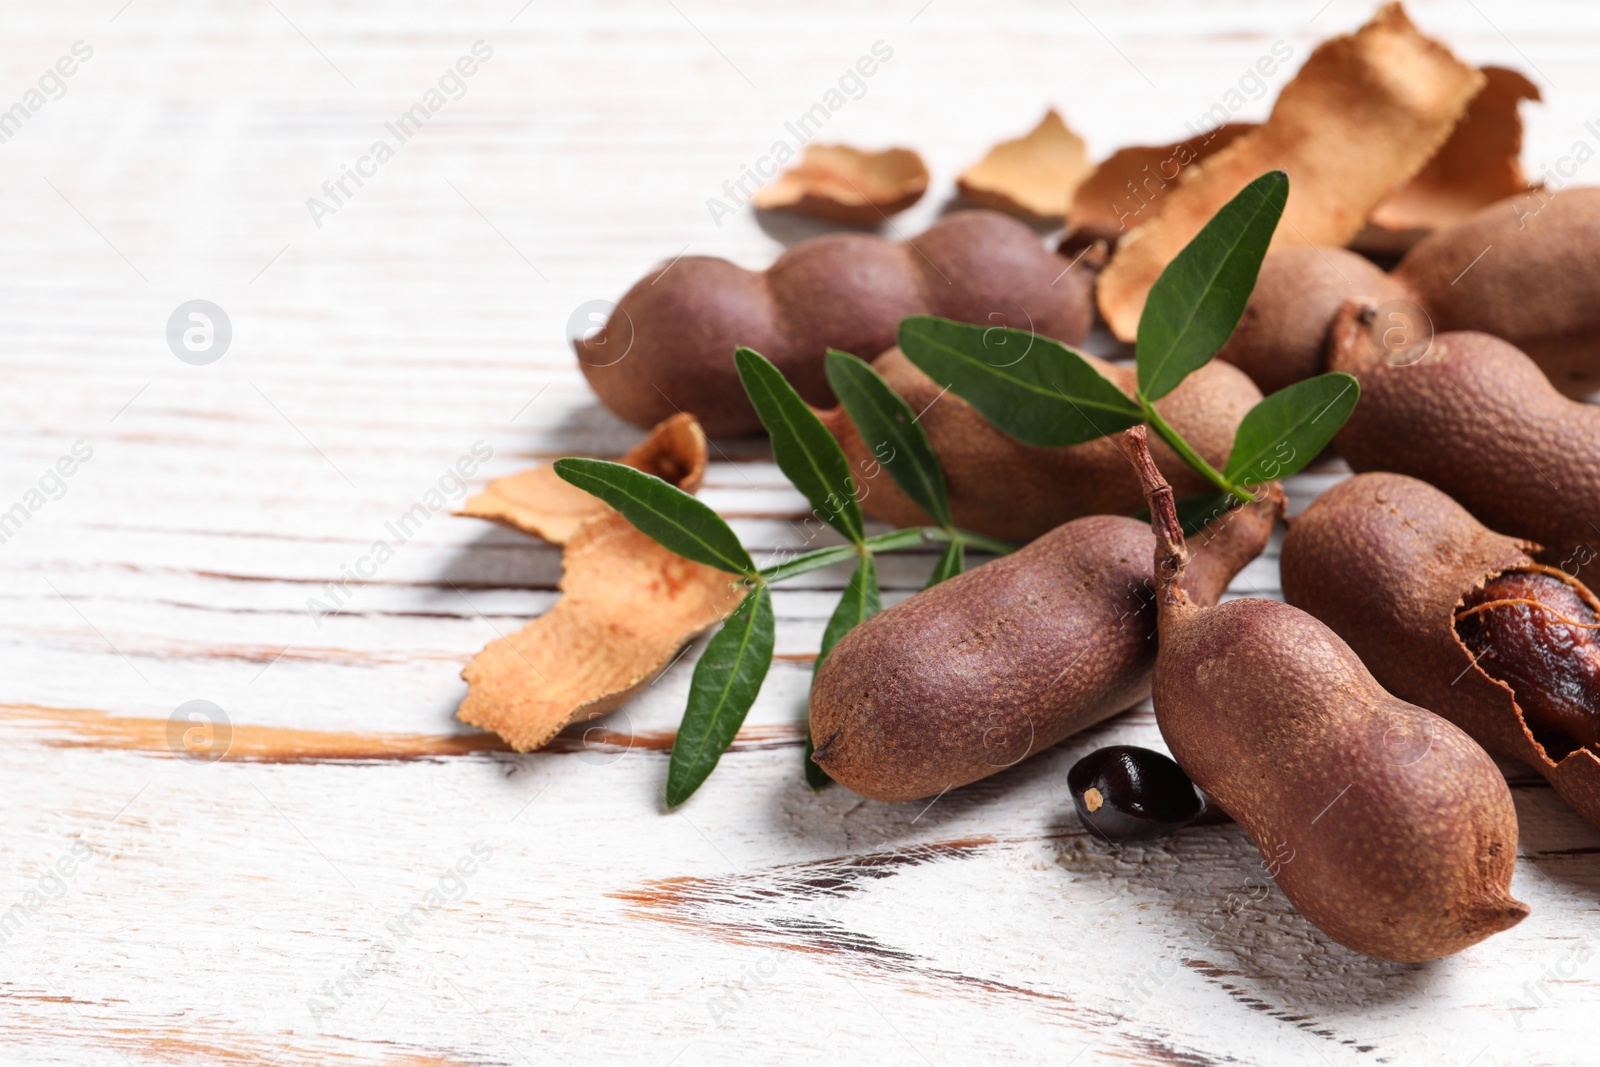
(1476, 418)
(1452, 615)
(974, 674)
(1525, 269)
(668, 344)
(1404, 856)
(1003, 488)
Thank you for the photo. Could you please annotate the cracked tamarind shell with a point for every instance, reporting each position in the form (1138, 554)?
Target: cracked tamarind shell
(1525, 269)
(668, 344)
(1385, 561)
(974, 674)
(1003, 488)
(1474, 417)
(1399, 851)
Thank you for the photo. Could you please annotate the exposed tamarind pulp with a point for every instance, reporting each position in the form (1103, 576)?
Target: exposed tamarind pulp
(1531, 630)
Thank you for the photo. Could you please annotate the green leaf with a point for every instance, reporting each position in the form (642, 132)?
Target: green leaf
(1196, 510)
(1288, 429)
(725, 684)
(952, 561)
(661, 511)
(806, 452)
(1035, 389)
(860, 602)
(888, 425)
(1197, 301)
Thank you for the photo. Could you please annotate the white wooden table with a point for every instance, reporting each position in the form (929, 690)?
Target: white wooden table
(306, 905)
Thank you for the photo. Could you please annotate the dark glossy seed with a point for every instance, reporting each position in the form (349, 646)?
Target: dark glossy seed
(1125, 793)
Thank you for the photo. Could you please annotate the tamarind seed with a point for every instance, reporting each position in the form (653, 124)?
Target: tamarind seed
(1126, 793)
(1532, 631)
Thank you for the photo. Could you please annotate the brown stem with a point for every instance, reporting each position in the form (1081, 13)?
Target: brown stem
(1171, 552)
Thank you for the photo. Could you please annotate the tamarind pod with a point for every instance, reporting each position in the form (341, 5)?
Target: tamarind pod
(1402, 855)
(668, 345)
(1386, 560)
(1477, 419)
(1526, 270)
(1001, 487)
(1282, 335)
(984, 669)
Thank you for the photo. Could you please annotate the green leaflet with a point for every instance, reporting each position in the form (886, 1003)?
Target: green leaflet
(890, 429)
(725, 684)
(952, 561)
(1287, 430)
(1035, 389)
(806, 452)
(1197, 301)
(661, 511)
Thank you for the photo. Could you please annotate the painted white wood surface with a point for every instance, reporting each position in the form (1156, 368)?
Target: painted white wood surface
(243, 912)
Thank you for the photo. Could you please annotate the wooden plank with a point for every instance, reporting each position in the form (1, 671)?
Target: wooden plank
(365, 882)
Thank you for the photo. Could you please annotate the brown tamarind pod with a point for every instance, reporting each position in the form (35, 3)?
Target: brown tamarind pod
(974, 674)
(1001, 487)
(1282, 335)
(1476, 418)
(668, 345)
(1406, 576)
(1403, 852)
(1526, 270)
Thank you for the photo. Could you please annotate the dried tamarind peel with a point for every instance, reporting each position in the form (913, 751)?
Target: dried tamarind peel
(1032, 176)
(974, 674)
(538, 502)
(848, 185)
(668, 345)
(1001, 487)
(1365, 114)
(1398, 851)
(1128, 186)
(627, 606)
(1480, 164)
(1397, 568)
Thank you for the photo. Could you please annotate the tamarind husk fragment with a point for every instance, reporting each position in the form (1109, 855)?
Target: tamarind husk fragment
(1033, 176)
(627, 605)
(849, 185)
(1361, 118)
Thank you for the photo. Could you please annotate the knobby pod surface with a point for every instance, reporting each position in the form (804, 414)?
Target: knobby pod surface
(984, 669)
(1388, 827)
(668, 344)
(1390, 562)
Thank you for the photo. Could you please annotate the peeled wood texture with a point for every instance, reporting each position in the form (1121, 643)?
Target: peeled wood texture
(1385, 561)
(1478, 419)
(1004, 488)
(669, 344)
(394, 336)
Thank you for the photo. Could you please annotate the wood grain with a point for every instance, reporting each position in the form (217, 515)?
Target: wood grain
(305, 900)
